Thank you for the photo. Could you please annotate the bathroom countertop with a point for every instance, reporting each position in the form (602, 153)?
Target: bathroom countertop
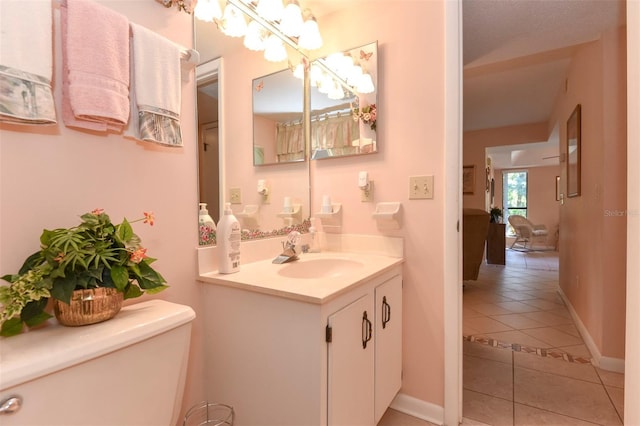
(330, 274)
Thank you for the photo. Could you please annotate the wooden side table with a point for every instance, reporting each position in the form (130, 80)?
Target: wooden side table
(496, 244)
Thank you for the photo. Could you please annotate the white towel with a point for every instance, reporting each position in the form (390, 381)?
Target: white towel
(26, 62)
(157, 86)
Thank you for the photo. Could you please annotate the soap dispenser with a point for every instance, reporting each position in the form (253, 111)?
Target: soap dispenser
(228, 242)
(206, 227)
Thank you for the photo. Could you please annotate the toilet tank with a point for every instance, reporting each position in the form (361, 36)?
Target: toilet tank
(129, 370)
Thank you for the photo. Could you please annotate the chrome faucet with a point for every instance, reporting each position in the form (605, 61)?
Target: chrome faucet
(289, 253)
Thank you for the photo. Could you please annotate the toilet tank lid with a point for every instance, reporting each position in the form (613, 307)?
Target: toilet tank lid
(52, 348)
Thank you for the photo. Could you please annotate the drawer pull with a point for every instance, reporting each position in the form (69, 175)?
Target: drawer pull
(11, 405)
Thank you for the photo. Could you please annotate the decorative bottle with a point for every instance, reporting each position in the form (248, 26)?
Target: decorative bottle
(228, 242)
(206, 227)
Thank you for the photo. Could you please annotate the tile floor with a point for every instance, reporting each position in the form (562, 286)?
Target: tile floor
(524, 362)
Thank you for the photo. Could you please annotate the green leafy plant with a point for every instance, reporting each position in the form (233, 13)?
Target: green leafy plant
(496, 215)
(94, 254)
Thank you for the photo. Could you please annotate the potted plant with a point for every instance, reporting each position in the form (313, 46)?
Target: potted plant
(96, 257)
(496, 215)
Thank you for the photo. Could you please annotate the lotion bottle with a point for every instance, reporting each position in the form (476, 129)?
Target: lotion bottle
(228, 242)
(206, 227)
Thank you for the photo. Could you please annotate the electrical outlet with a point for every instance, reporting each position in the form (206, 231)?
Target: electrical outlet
(235, 196)
(366, 195)
(420, 187)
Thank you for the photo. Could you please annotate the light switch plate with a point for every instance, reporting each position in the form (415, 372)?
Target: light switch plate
(235, 196)
(420, 187)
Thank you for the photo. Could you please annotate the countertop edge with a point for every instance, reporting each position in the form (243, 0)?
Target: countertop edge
(227, 280)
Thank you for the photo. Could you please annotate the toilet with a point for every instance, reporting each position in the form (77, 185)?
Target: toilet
(129, 370)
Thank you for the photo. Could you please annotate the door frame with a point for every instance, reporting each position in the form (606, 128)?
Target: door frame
(452, 238)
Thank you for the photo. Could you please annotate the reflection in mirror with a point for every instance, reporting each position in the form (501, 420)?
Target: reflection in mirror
(343, 122)
(278, 133)
(208, 150)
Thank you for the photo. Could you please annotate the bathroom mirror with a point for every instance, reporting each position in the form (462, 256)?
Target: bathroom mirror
(342, 122)
(278, 132)
(287, 205)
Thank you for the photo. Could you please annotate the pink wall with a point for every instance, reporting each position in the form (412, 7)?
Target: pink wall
(474, 146)
(50, 176)
(410, 140)
(411, 143)
(264, 131)
(593, 225)
(543, 207)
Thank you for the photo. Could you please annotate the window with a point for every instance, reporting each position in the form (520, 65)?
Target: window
(514, 195)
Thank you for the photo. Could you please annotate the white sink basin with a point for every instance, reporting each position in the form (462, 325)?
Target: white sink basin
(319, 268)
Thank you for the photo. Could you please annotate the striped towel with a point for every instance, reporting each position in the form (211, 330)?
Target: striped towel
(26, 62)
(157, 87)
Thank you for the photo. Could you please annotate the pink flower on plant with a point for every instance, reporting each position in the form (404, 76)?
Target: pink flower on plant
(149, 218)
(97, 212)
(138, 255)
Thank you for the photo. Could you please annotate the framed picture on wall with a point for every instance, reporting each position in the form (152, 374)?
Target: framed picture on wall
(468, 179)
(573, 153)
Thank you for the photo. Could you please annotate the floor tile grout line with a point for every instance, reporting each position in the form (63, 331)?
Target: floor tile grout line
(604, 386)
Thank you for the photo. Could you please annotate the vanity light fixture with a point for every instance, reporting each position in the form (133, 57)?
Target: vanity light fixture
(339, 73)
(285, 21)
(290, 24)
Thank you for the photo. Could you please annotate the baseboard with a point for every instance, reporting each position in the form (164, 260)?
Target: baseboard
(418, 408)
(604, 362)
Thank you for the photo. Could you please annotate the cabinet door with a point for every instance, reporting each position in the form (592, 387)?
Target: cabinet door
(388, 344)
(350, 370)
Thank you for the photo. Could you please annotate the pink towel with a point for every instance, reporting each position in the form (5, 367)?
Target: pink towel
(95, 47)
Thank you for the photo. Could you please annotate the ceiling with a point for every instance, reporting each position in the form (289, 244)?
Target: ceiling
(515, 53)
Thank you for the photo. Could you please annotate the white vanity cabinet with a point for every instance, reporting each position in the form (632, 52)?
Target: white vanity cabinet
(283, 360)
(365, 356)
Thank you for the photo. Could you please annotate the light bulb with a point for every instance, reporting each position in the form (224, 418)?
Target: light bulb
(365, 85)
(254, 40)
(355, 74)
(274, 50)
(291, 23)
(325, 84)
(334, 61)
(271, 10)
(233, 23)
(315, 75)
(207, 10)
(310, 38)
(335, 92)
(298, 72)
